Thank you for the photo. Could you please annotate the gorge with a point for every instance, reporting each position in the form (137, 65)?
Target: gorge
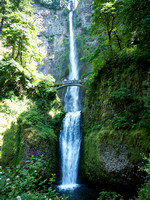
(103, 43)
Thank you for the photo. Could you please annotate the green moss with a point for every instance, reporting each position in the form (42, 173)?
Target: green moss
(139, 145)
(95, 144)
(92, 148)
(88, 159)
(9, 145)
(116, 106)
(36, 123)
(35, 130)
(116, 112)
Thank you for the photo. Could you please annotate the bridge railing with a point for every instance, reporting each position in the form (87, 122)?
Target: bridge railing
(65, 81)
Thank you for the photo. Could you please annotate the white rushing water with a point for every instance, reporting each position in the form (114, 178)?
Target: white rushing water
(70, 140)
(70, 134)
(72, 93)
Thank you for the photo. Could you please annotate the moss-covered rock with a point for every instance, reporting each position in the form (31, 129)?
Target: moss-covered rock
(111, 157)
(30, 114)
(34, 133)
(115, 122)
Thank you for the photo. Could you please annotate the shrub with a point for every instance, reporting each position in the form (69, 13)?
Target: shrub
(27, 182)
(144, 191)
(109, 196)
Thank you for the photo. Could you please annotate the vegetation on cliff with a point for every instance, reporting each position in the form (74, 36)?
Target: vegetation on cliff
(116, 106)
(52, 4)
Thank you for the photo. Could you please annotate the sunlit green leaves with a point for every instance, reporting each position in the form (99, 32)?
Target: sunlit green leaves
(109, 195)
(21, 81)
(22, 5)
(26, 182)
(19, 34)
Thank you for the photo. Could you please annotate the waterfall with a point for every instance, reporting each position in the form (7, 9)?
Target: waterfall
(70, 134)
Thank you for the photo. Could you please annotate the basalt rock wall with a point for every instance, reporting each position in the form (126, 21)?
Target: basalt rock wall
(53, 30)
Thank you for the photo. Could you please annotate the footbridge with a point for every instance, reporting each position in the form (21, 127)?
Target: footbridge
(67, 83)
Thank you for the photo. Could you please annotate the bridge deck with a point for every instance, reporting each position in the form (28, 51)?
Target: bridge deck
(66, 83)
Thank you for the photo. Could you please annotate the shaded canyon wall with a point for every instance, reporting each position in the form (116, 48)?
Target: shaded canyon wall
(106, 154)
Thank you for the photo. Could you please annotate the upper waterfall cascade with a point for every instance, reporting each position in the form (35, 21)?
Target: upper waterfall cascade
(71, 4)
(70, 134)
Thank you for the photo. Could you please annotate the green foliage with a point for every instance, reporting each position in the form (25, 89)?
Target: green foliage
(10, 6)
(36, 127)
(144, 190)
(10, 109)
(109, 196)
(41, 122)
(122, 95)
(43, 115)
(43, 87)
(64, 59)
(136, 21)
(14, 106)
(105, 25)
(116, 29)
(9, 147)
(127, 110)
(146, 92)
(29, 178)
(51, 4)
(138, 142)
(19, 34)
(116, 105)
(89, 161)
(5, 4)
(22, 5)
(19, 81)
(13, 78)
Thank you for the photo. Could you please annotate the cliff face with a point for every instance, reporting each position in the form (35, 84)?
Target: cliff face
(54, 32)
(84, 11)
(83, 25)
(115, 124)
(53, 29)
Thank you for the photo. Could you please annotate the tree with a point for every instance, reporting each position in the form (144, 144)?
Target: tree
(104, 23)
(136, 18)
(19, 34)
(22, 6)
(9, 6)
(4, 9)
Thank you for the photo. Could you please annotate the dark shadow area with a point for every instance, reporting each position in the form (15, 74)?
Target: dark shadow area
(82, 192)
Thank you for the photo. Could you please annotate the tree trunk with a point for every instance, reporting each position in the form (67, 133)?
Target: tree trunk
(1, 26)
(110, 42)
(118, 40)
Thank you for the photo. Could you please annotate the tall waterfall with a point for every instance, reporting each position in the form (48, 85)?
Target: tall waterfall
(70, 134)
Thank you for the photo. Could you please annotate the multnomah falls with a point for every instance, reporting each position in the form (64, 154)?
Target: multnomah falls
(70, 135)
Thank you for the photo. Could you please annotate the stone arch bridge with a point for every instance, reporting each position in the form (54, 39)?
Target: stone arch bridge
(67, 83)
